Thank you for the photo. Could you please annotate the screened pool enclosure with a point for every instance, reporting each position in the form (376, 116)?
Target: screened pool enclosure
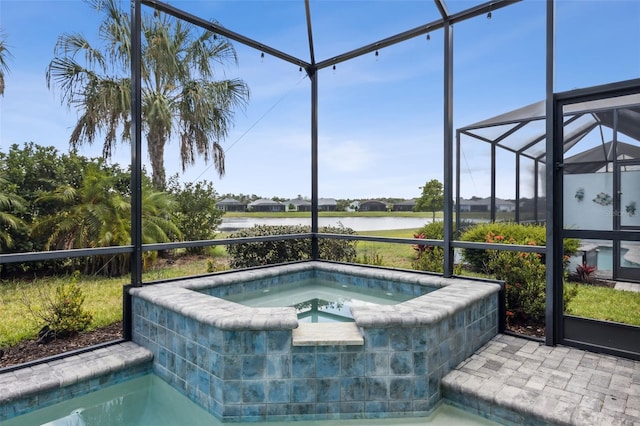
(590, 136)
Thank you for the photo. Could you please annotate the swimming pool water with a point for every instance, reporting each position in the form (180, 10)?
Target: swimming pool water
(149, 401)
(144, 401)
(318, 300)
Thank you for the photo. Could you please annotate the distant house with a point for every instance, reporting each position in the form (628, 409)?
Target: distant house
(327, 205)
(264, 205)
(299, 205)
(373, 206)
(404, 206)
(484, 205)
(231, 205)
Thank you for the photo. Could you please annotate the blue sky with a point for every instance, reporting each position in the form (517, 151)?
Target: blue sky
(380, 117)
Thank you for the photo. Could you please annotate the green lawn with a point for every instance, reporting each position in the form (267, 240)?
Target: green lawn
(606, 304)
(395, 255)
(103, 298)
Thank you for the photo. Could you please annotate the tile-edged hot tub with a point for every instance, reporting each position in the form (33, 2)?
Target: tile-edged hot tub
(245, 363)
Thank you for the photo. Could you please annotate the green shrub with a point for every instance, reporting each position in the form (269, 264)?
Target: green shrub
(245, 255)
(513, 233)
(524, 275)
(431, 258)
(61, 313)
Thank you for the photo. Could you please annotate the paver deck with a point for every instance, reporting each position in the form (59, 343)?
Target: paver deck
(510, 379)
(524, 382)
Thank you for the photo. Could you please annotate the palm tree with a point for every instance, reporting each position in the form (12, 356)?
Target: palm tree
(4, 54)
(96, 215)
(8, 221)
(180, 95)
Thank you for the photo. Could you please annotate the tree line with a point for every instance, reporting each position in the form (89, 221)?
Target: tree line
(54, 201)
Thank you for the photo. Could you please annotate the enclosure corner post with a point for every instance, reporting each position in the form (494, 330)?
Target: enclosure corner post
(313, 75)
(448, 150)
(136, 163)
(553, 310)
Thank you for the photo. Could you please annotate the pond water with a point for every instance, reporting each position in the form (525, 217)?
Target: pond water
(359, 223)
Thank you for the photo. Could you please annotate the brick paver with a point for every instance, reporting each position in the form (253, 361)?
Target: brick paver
(536, 384)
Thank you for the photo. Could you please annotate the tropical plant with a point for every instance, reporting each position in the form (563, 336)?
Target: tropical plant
(4, 54)
(179, 93)
(96, 214)
(432, 198)
(9, 201)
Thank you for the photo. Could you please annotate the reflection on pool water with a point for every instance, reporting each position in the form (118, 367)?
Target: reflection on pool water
(149, 401)
(319, 300)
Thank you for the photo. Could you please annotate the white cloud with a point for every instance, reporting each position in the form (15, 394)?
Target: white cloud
(345, 157)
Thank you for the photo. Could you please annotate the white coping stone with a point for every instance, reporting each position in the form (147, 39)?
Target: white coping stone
(453, 295)
(322, 334)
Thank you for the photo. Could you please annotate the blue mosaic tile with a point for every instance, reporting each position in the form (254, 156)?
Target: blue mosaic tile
(377, 364)
(400, 339)
(400, 388)
(376, 339)
(279, 366)
(329, 390)
(162, 356)
(254, 342)
(376, 388)
(231, 412)
(352, 364)
(420, 387)
(216, 339)
(327, 410)
(232, 342)
(404, 407)
(401, 363)
(215, 364)
(231, 391)
(278, 411)
(352, 389)
(253, 412)
(253, 391)
(278, 341)
(301, 411)
(303, 390)
(191, 351)
(303, 365)
(232, 368)
(327, 365)
(278, 391)
(376, 406)
(253, 366)
(352, 408)
(203, 356)
(420, 366)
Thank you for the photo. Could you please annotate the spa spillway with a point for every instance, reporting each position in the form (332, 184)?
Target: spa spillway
(266, 362)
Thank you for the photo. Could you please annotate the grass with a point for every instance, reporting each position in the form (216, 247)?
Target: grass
(607, 304)
(103, 297)
(391, 254)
